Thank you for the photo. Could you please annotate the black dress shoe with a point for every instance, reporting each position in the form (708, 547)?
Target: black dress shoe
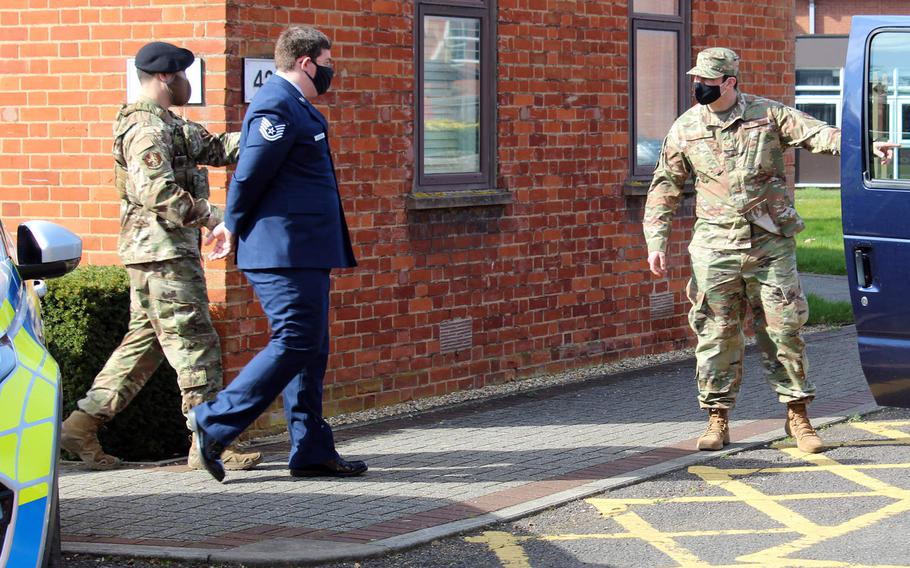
(338, 467)
(209, 448)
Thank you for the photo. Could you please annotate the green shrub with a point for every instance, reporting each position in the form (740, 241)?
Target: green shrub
(86, 315)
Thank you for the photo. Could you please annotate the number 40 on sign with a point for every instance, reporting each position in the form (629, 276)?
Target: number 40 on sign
(255, 73)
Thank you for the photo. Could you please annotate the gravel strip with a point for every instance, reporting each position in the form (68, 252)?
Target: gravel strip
(524, 385)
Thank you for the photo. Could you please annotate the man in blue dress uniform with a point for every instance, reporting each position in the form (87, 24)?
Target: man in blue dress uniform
(285, 221)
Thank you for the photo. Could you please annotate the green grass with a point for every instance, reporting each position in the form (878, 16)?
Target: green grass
(820, 247)
(822, 311)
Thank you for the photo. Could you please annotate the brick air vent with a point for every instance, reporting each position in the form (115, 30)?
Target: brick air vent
(455, 335)
(661, 305)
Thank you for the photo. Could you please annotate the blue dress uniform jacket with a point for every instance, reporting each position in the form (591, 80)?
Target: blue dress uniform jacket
(284, 207)
(283, 204)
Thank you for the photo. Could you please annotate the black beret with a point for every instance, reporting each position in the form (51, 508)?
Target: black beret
(162, 57)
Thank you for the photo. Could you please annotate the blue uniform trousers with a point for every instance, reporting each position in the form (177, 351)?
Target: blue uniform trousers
(296, 302)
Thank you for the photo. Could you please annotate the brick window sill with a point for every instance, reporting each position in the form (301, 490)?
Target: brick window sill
(448, 199)
(639, 186)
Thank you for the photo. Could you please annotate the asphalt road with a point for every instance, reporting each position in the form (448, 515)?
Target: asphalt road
(767, 507)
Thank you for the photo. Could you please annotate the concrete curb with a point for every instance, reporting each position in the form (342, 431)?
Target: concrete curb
(301, 551)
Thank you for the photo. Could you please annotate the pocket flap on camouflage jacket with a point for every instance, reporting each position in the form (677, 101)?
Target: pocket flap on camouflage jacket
(757, 122)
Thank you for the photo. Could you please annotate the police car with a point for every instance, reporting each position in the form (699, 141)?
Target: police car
(29, 396)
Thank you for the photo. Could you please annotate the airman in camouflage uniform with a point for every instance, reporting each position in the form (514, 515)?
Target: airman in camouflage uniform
(743, 250)
(164, 204)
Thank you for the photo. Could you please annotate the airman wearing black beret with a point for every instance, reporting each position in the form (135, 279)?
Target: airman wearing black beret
(164, 202)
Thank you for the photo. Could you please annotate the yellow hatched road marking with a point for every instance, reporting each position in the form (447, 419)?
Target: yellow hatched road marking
(680, 534)
(886, 430)
(508, 548)
(661, 541)
(754, 498)
(607, 508)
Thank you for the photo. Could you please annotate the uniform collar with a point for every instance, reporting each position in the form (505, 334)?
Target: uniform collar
(292, 83)
(155, 108)
(709, 118)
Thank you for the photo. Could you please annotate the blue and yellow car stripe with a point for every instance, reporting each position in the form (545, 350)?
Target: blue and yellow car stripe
(29, 407)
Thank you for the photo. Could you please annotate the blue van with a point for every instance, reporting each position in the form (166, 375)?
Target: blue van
(30, 396)
(876, 200)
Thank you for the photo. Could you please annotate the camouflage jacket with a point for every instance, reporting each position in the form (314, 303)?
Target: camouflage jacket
(164, 194)
(739, 172)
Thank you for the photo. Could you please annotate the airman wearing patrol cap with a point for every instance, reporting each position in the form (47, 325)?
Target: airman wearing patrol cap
(164, 204)
(743, 247)
(716, 62)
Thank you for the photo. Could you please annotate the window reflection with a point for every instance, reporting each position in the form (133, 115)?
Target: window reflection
(889, 96)
(656, 91)
(451, 87)
(668, 7)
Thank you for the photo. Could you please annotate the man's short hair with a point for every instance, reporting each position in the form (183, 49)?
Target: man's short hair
(299, 41)
(144, 77)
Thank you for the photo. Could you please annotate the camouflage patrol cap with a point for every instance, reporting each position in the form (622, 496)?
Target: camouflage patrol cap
(716, 62)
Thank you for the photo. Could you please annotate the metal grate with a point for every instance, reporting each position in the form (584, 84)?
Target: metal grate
(455, 335)
(661, 305)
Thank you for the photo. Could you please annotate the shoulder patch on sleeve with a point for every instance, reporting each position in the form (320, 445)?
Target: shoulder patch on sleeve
(269, 131)
(152, 159)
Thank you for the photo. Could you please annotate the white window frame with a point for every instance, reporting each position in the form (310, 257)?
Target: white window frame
(834, 98)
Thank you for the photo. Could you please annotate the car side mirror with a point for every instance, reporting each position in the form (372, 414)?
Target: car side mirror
(46, 250)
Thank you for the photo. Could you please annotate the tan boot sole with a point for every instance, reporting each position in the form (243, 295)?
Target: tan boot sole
(230, 464)
(805, 448)
(77, 448)
(703, 444)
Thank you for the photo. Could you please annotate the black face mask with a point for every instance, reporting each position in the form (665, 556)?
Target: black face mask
(323, 78)
(706, 94)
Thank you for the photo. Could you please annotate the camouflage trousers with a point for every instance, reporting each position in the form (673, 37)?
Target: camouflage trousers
(169, 318)
(723, 284)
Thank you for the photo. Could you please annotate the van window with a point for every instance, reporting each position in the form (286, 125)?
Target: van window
(888, 93)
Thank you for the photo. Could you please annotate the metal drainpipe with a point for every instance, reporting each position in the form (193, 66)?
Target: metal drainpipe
(811, 16)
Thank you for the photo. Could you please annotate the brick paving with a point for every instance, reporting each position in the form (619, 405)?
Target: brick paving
(443, 466)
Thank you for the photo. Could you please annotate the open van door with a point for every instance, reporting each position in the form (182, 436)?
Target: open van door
(876, 200)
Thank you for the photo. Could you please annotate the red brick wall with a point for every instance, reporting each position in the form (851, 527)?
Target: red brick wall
(62, 79)
(833, 16)
(555, 280)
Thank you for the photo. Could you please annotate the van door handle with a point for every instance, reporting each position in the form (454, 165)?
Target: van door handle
(863, 262)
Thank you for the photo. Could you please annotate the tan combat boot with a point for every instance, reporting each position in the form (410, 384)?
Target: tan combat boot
(79, 436)
(232, 459)
(718, 433)
(799, 427)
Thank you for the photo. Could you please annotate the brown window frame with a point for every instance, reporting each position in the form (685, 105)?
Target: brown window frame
(485, 11)
(682, 24)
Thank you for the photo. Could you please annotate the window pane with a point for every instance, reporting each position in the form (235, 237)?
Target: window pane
(889, 71)
(821, 111)
(830, 77)
(670, 7)
(451, 95)
(656, 91)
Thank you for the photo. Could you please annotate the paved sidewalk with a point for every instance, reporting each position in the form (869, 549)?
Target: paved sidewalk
(441, 472)
(827, 286)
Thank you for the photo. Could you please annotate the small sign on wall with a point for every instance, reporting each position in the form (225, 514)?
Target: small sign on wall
(193, 73)
(256, 71)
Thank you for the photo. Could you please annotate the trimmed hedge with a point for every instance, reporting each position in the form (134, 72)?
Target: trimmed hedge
(86, 315)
